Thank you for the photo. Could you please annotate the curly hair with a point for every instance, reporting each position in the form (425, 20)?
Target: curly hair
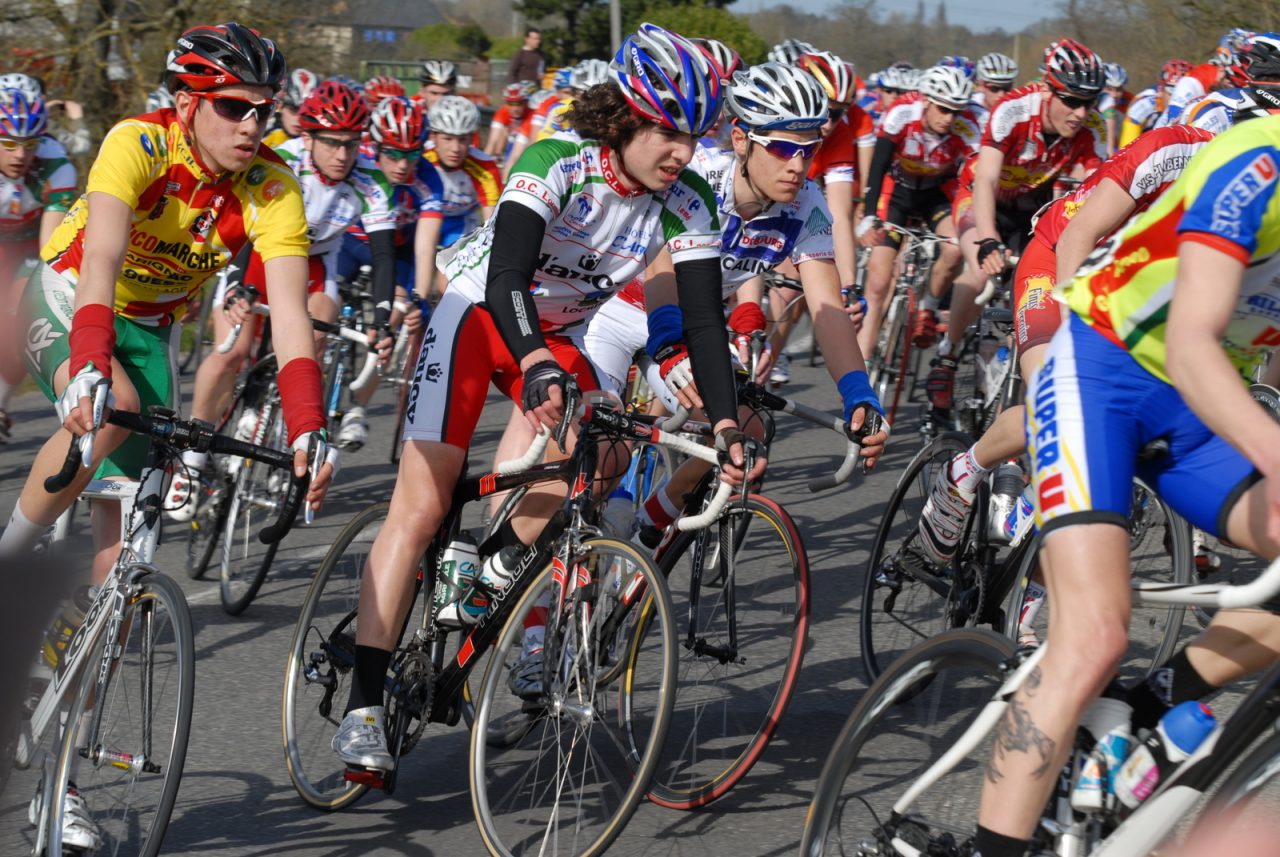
(601, 113)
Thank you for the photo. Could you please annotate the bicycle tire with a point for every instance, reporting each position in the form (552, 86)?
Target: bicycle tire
(904, 348)
(404, 387)
(879, 357)
(206, 527)
(517, 792)
(727, 713)
(324, 638)
(255, 499)
(904, 599)
(131, 809)
(917, 708)
(1160, 551)
(191, 355)
(895, 332)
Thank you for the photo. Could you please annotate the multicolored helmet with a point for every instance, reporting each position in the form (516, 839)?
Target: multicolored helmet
(666, 79)
(398, 123)
(382, 86)
(212, 56)
(836, 76)
(302, 82)
(21, 117)
(1072, 68)
(518, 92)
(441, 72)
(725, 61)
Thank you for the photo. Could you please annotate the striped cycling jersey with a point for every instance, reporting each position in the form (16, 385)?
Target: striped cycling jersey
(187, 223)
(333, 207)
(421, 198)
(599, 236)
(468, 190)
(50, 185)
(1226, 198)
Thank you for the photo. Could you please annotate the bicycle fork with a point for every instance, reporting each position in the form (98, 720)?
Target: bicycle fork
(699, 645)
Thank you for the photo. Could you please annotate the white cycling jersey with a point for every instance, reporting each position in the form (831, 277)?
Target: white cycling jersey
(599, 235)
(333, 207)
(1144, 107)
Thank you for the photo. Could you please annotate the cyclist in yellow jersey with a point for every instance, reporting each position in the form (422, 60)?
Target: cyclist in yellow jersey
(1199, 267)
(171, 198)
(301, 84)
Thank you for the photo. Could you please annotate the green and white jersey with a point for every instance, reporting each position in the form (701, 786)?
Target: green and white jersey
(599, 235)
(50, 185)
(333, 207)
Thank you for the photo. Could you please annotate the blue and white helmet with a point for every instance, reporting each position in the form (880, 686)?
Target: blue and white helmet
(20, 116)
(667, 79)
(589, 73)
(1116, 75)
(775, 96)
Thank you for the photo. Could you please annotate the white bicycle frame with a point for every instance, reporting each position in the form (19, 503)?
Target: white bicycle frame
(1142, 831)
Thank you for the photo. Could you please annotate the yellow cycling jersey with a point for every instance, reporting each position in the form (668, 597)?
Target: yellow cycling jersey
(1225, 198)
(276, 138)
(187, 223)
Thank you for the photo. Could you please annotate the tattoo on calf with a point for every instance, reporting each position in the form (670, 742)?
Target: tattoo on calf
(1016, 731)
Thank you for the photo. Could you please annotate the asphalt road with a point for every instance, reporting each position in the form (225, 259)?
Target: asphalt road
(236, 799)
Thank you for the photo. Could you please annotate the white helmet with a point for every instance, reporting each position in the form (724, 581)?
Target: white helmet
(159, 98)
(302, 82)
(948, 86)
(1116, 74)
(997, 68)
(26, 84)
(788, 51)
(774, 96)
(441, 72)
(911, 79)
(589, 73)
(453, 114)
(892, 79)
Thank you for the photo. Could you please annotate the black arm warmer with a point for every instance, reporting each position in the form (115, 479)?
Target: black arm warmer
(881, 160)
(382, 250)
(698, 291)
(513, 259)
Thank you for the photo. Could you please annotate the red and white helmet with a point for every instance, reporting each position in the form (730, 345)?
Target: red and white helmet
(333, 106)
(382, 86)
(398, 123)
(836, 76)
(724, 59)
(212, 56)
(1072, 68)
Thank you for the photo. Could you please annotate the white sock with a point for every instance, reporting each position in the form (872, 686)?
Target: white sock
(966, 472)
(1031, 603)
(944, 347)
(929, 301)
(21, 535)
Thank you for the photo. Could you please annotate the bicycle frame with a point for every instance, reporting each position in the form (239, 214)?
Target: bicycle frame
(1149, 823)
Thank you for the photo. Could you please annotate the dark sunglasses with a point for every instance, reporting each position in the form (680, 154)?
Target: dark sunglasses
(402, 154)
(1072, 103)
(950, 111)
(997, 87)
(335, 143)
(238, 109)
(785, 150)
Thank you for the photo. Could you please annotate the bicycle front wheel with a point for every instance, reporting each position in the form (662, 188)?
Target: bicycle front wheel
(914, 712)
(568, 769)
(127, 770)
(905, 597)
(743, 644)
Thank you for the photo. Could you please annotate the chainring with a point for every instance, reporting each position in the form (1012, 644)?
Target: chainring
(410, 700)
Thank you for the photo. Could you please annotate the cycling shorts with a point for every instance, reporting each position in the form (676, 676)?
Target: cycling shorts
(148, 355)
(1090, 409)
(616, 338)
(355, 253)
(319, 279)
(461, 353)
(1013, 223)
(1036, 313)
(930, 206)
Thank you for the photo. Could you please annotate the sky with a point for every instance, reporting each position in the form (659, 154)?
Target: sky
(978, 15)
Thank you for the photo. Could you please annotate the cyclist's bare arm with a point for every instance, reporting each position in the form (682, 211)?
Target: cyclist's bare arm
(49, 220)
(426, 243)
(840, 201)
(986, 176)
(1108, 206)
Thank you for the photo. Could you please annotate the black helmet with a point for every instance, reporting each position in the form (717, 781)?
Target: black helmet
(211, 56)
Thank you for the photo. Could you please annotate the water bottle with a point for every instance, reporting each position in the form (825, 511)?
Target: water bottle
(458, 567)
(65, 625)
(1020, 518)
(1182, 729)
(1107, 721)
(495, 576)
(619, 513)
(1006, 487)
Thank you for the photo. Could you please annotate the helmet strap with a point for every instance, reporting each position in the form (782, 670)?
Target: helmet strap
(186, 121)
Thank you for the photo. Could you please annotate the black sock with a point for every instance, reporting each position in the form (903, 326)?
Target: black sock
(1177, 681)
(369, 678)
(988, 843)
(504, 536)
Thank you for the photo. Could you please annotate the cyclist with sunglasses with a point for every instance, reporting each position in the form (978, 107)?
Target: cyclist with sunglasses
(39, 191)
(770, 213)
(994, 76)
(336, 193)
(628, 173)
(923, 141)
(398, 130)
(1036, 133)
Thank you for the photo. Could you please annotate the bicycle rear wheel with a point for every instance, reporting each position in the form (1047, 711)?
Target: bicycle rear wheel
(572, 766)
(734, 682)
(916, 710)
(905, 597)
(128, 771)
(255, 501)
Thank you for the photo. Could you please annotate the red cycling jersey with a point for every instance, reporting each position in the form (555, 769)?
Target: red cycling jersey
(922, 158)
(1031, 162)
(1144, 168)
(835, 160)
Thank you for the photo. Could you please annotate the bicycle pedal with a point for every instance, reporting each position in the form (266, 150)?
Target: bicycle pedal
(370, 777)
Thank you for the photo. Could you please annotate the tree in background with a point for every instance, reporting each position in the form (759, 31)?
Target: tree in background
(465, 41)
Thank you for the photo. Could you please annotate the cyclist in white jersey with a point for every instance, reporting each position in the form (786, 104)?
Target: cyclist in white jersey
(769, 213)
(562, 199)
(472, 179)
(1218, 111)
(337, 193)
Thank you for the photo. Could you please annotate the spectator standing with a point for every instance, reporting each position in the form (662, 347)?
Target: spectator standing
(528, 63)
